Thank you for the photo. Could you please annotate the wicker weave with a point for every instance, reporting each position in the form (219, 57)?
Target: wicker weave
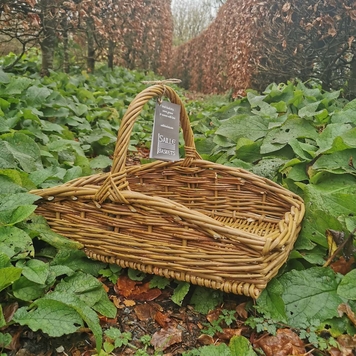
(191, 220)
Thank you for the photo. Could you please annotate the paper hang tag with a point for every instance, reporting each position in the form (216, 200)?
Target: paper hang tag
(165, 133)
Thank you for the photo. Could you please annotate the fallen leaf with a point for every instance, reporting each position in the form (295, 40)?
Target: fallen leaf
(228, 333)
(205, 339)
(15, 343)
(125, 286)
(9, 311)
(347, 344)
(162, 319)
(146, 311)
(116, 301)
(135, 290)
(345, 309)
(129, 302)
(241, 311)
(147, 296)
(213, 315)
(285, 343)
(342, 266)
(164, 338)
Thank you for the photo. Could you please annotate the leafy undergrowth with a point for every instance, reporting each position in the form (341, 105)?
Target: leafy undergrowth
(56, 301)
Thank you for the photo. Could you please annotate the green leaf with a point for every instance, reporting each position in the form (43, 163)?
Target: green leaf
(17, 86)
(86, 313)
(86, 287)
(212, 350)
(2, 320)
(328, 140)
(36, 96)
(15, 243)
(21, 179)
(310, 296)
(347, 286)
(100, 162)
(8, 276)
(135, 275)
(270, 302)
(180, 292)
(53, 317)
(248, 126)
(27, 290)
(4, 260)
(5, 340)
(4, 77)
(159, 282)
(12, 201)
(293, 128)
(337, 162)
(37, 225)
(104, 306)
(240, 346)
(36, 271)
(21, 149)
(77, 260)
(12, 217)
(205, 299)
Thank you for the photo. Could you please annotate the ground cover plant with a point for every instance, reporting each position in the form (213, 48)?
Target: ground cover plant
(61, 127)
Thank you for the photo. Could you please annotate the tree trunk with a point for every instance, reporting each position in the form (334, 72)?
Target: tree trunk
(65, 45)
(91, 46)
(49, 42)
(351, 92)
(111, 50)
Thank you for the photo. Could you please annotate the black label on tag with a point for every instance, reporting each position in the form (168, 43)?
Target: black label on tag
(165, 134)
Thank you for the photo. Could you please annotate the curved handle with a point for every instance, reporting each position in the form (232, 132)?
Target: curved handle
(117, 176)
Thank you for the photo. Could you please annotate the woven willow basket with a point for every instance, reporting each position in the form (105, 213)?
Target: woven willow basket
(191, 220)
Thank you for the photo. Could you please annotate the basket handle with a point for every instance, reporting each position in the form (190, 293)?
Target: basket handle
(116, 179)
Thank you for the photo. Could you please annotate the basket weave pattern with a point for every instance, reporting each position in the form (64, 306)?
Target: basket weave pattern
(191, 220)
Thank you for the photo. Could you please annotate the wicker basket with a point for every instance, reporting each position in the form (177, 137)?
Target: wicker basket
(191, 220)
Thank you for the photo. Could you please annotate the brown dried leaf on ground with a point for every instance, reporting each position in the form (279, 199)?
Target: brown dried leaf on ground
(125, 286)
(135, 290)
(241, 311)
(285, 343)
(347, 345)
(205, 339)
(228, 333)
(342, 266)
(147, 311)
(345, 309)
(164, 338)
(213, 315)
(162, 320)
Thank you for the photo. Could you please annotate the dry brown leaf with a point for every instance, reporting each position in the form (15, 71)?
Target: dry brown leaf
(347, 345)
(125, 286)
(205, 339)
(213, 315)
(342, 266)
(129, 302)
(164, 338)
(285, 343)
(162, 319)
(241, 311)
(148, 295)
(228, 333)
(9, 311)
(345, 309)
(147, 311)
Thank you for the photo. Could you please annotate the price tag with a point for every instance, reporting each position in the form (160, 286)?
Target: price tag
(165, 134)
